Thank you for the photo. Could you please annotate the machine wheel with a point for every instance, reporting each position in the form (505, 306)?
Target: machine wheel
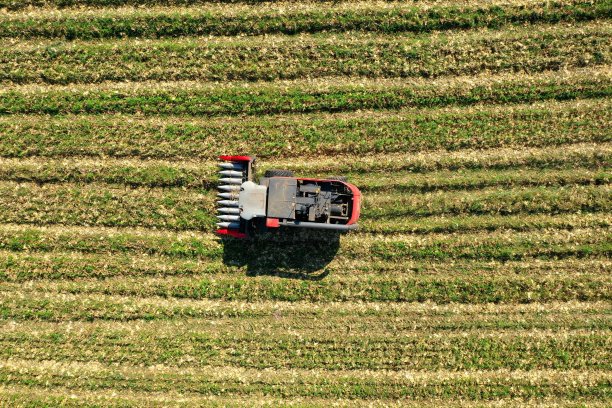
(339, 178)
(278, 173)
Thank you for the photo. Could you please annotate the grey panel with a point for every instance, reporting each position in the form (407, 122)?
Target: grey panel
(281, 197)
(320, 225)
(252, 200)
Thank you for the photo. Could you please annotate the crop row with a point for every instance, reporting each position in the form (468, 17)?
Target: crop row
(589, 155)
(25, 4)
(433, 224)
(478, 288)
(400, 279)
(28, 396)
(303, 97)
(532, 200)
(181, 344)
(96, 205)
(493, 244)
(472, 180)
(587, 281)
(80, 4)
(471, 223)
(26, 304)
(389, 18)
(391, 329)
(419, 172)
(583, 169)
(291, 383)
(424, 262)
(548, 48)
(93, 205)
(545, 124)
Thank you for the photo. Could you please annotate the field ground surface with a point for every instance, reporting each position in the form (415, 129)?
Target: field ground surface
(480, 133)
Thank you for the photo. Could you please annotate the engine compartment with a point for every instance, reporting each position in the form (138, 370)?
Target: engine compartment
(320, 201)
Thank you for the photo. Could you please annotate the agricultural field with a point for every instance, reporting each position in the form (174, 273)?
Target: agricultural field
(479, 132)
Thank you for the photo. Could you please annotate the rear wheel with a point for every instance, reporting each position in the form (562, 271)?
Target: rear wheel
(278, 173)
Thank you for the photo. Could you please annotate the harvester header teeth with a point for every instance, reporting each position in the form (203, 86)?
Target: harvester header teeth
(228, 225)
(227, 203)
(229, 210)
(231, 173)
(229, 188)
(231, 166)
(229, 217)
(231, 180)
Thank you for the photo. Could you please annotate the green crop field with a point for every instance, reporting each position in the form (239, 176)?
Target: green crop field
(479, 132)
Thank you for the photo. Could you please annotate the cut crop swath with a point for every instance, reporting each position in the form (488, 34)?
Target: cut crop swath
(218, 21)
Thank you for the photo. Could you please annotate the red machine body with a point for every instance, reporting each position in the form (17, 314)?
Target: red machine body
(281, 200)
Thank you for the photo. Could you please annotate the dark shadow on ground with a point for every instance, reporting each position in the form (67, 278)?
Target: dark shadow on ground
(294, 253)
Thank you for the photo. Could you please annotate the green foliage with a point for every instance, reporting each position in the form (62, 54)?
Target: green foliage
(397, 19)
(274, 58)
(478, 132)
(266, 100)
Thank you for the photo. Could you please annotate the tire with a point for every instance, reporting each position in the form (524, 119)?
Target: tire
(278, 173)
(339, 178)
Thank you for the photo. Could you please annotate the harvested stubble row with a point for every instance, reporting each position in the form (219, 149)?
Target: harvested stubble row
(19, 396)
(183, 344)
(303, 96)
(501, 245)
(290, 383)
(22, 267)
(525, 50)
(478, 273)
(418, 170)
(27, 304)
(59, 4)
(23, 396)
(175, 208)
(23, 237)
(96, 205)
(458, 289)
(472, 180)
(292, 18)
(569, 169)
(467, 223)
(80, 4)
(590, 155)
(502, 201)
(544, 124)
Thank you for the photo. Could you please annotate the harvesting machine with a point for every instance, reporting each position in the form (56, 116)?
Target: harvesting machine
(279, 199)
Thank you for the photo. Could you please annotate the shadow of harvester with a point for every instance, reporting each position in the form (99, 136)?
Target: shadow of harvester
(287, 252)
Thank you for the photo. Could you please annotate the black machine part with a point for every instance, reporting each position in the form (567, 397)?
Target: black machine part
(302, 224)
(278, 173)
(282, 193)
(309, 203)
